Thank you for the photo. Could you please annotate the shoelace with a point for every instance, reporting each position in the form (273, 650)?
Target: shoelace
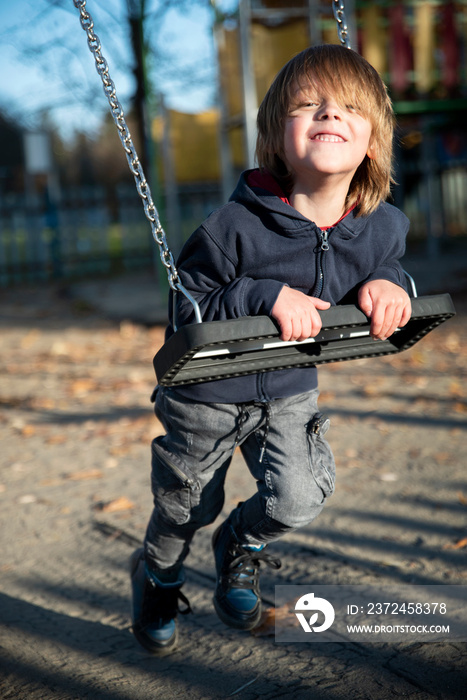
(166, 606)
(243, 570)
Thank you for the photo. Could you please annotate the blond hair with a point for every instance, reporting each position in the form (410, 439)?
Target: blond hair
(349, 78)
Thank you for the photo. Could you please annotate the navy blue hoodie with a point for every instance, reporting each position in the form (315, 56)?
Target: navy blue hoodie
(236, 263)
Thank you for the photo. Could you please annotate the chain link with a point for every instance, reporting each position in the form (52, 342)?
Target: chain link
(134, 164)
(338, 9)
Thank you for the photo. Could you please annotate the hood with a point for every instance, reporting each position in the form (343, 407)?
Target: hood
(256, 189)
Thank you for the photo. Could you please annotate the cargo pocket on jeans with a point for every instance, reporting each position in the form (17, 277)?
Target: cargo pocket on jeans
(174, 487)
(322, 463)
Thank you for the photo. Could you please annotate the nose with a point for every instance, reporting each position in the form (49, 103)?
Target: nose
(329, 110)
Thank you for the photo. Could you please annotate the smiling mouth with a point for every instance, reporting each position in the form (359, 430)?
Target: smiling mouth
(328, 138)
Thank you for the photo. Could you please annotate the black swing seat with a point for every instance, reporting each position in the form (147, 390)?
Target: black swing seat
(201, 352)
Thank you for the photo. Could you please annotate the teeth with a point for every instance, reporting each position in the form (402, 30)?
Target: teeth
(328, 137)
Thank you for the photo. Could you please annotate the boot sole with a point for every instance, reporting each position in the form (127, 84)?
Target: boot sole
(153, 647)
(234, 621)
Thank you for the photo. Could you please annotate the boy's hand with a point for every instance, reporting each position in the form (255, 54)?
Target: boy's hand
(297, 315)
(388, 306)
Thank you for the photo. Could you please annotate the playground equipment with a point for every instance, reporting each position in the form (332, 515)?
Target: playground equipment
(204, 351)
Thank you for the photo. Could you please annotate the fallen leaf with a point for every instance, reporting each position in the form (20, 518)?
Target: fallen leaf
(462, 498)
(417, 357)
(442, 457)
(455, 389)
(118, 504)
(326, 396)
(30, 338)
(460, 544)
(372, 389)
(27, 498)
(56, 440)
(59, 348)
(388, 476)
(267, 625)
(452, 342)
(44, 402)
(84, 475)
(120, 450)
(111, 463)
(51, 482)
(82, 386)
(128, 329)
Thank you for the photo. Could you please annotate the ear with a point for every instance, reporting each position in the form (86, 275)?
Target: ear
(371, 151)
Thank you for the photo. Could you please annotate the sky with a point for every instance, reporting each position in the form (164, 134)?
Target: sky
(48, 73)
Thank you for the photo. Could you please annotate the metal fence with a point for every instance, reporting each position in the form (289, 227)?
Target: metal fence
(436, 204)
(84, 234)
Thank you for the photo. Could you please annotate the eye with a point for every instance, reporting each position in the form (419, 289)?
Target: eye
(306, 104)
(354, 107)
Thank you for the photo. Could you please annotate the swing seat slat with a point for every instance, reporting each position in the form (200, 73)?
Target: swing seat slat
(207, 351)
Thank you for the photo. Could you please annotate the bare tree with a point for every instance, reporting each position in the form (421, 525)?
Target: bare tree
(134, 39)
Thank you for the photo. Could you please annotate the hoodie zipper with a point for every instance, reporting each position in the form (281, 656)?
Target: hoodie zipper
(323, 247)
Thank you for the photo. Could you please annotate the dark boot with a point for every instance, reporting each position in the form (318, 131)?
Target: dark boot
(237, 597)
(154, 607)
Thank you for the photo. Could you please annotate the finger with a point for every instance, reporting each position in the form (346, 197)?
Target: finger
(399, 319)
(286, 328)
(406, 314)
(402, 314)
(316, 324)
(302, 326)
(320, 303)
(296, 328)
(306, 327)
(365, 302)
(392, 318)
(389, 326)
(377, 321)
(315, 321)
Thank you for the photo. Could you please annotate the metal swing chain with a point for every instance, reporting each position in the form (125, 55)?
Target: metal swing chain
(338, 9)
(134, 164)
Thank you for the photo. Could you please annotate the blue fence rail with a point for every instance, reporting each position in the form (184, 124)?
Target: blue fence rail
(84, 235)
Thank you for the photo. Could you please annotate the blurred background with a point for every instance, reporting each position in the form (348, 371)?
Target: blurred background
(190, 76)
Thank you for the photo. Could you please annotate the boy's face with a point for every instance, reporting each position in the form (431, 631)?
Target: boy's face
(323, 138)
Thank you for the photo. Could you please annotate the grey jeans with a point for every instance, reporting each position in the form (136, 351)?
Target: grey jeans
(294, 472)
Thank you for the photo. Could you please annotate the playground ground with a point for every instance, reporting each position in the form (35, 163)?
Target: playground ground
(75, 429)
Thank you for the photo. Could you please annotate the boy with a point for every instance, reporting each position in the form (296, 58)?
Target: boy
(308, 229)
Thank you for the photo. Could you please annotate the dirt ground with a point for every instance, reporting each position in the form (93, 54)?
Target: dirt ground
(75, 427)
